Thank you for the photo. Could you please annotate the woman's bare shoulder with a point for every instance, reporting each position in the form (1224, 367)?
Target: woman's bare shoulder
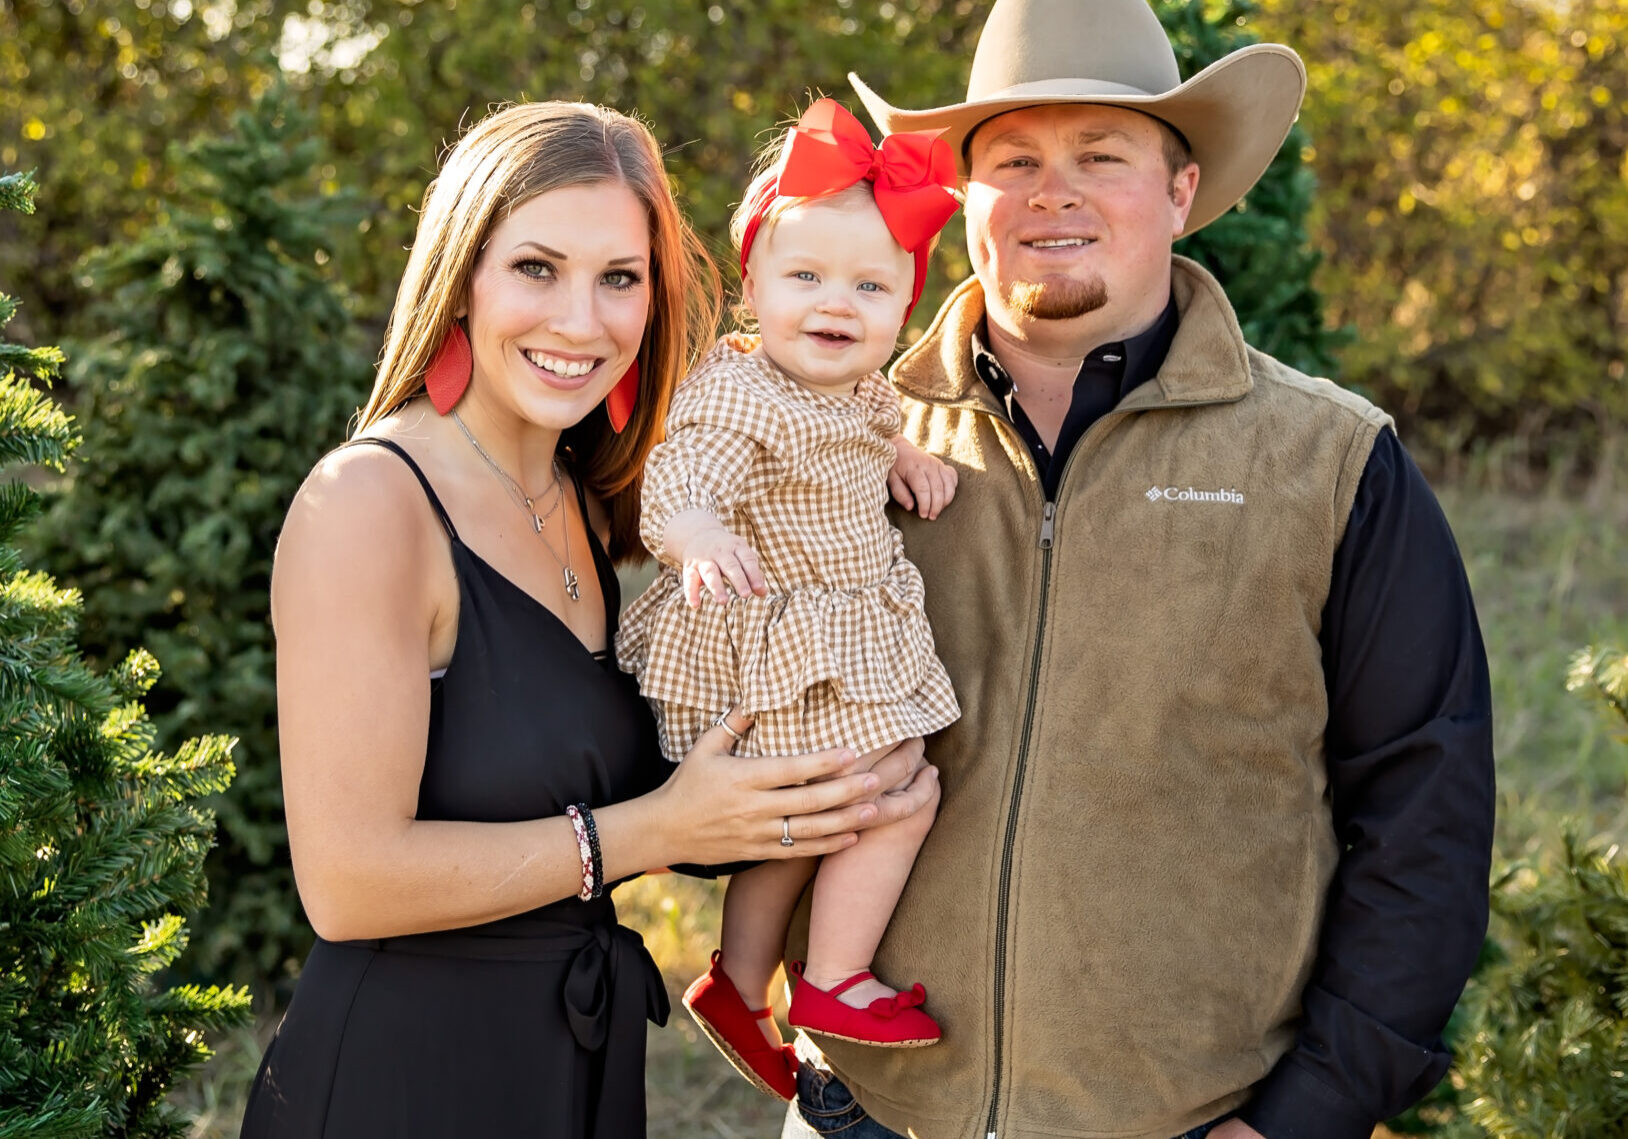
(360, 521)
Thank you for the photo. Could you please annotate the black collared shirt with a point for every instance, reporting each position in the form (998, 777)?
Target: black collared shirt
(1105, 377)
(1409, 752)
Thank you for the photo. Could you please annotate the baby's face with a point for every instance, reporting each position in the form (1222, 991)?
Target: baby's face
(829, 286)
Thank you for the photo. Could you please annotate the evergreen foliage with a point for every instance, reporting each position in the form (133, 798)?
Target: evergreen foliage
(1541, 1036)
(1602, 673)
(226, 366)
(1260, 251)
(1545, 1040)
(37, 430)
(102, 842)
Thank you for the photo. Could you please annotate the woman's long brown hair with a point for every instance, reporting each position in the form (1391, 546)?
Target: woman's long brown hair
(506, 159)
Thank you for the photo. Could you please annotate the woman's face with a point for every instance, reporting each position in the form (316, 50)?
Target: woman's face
(558, 303)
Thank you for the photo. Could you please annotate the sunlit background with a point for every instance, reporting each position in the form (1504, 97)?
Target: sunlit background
(227, 192)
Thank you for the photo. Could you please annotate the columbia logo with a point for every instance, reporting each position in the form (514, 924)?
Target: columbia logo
(1177, 494)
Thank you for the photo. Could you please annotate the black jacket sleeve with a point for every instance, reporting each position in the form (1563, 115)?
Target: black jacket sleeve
(1409, 752)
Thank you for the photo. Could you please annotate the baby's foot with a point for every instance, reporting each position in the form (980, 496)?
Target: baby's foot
(757, 1003)
(860, 996)
(770, 1030)
(862, 1009)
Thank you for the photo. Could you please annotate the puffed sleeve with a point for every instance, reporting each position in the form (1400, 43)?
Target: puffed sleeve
(725, 446)
(883, 402)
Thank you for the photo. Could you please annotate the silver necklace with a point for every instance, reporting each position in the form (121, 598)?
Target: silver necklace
(524, 501)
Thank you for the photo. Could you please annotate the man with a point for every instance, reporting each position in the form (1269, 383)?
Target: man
(1213, 850)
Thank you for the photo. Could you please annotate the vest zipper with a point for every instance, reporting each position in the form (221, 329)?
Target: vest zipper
(1048, 515)
(1047, 538)
(1048, 519)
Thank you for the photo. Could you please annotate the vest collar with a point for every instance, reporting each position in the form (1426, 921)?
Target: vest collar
(1208, 360)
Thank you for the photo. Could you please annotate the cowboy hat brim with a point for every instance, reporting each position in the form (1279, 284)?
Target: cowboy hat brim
(1234, 115)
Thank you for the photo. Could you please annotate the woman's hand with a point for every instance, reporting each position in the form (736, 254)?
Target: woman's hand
(919, 481)
(718, 807)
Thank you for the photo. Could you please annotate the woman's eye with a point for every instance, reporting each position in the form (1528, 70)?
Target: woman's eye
(622, 279)
(1011, 163)
(534, 269)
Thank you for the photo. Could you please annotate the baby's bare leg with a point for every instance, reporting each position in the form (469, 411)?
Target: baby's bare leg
(855, 892)
(757, 909)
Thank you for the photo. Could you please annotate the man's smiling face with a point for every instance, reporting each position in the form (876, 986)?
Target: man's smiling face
(1071, 211)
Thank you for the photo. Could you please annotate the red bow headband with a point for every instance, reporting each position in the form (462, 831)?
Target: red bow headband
(829, 150)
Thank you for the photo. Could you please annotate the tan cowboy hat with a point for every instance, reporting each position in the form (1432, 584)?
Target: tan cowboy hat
(1234, 114)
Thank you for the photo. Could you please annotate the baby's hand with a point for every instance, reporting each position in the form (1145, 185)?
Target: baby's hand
(711, 556)
(919, 481)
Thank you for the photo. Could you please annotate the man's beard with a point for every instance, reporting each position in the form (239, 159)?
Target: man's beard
(1057, 298)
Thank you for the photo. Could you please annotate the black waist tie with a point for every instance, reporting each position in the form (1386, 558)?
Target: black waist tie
(612, 985)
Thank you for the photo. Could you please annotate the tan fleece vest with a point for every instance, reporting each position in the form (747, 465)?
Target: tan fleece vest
(1118, 907)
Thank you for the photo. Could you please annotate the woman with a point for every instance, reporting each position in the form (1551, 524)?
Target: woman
(464, 769)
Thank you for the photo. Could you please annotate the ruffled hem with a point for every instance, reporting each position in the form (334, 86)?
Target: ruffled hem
(818, 721)
(872, 645)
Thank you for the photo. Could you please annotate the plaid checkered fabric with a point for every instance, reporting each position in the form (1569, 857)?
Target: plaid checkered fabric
(839, 654)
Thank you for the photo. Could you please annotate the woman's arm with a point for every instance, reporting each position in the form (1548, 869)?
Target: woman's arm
(362, 582)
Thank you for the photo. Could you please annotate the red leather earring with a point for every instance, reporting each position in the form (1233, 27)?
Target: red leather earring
(619, 404)
(449, 371)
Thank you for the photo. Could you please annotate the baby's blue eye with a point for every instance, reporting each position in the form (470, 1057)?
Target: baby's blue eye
(803, 275)
(871, 287)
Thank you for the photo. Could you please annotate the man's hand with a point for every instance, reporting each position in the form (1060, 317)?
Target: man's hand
(714, 559)
(1236, 1129)
(919, 481)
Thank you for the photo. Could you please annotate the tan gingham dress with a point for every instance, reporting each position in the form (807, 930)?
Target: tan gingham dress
(839, 654)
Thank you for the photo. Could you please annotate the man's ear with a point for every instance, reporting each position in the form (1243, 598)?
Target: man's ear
(1183, 188)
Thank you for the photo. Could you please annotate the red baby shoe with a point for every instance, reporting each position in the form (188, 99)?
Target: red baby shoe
(719, 1009)
(888, 1022)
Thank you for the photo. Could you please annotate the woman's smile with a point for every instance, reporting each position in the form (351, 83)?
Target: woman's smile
(563, 372)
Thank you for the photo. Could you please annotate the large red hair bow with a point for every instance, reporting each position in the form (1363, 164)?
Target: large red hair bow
(829, 150)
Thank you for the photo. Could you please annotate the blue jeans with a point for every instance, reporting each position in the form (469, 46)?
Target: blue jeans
(825, 1107)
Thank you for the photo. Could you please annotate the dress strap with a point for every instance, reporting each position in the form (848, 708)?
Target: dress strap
(429, 491)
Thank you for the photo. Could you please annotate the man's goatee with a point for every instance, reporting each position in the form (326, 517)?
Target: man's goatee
(1057, 299)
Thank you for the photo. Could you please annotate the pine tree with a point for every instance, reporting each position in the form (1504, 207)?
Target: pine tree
(1545, 1042)
(1260, 250)
(1541, 1035)
(228, 365)
(102, 842)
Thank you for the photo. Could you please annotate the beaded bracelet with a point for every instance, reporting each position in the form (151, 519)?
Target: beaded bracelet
(593, 845)
(584, 850)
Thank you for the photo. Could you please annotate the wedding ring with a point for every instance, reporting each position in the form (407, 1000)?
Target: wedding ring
(785, 831)
(723, 722)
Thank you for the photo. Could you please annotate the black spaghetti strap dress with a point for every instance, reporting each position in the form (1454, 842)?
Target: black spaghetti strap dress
(533, 1025)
